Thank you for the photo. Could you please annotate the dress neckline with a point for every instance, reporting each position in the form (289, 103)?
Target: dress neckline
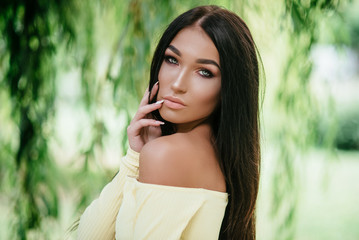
(176, 188)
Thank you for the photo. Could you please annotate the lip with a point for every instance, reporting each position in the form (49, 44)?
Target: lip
(173, 102)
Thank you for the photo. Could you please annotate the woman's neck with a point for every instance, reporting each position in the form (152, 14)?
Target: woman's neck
(189, 127)
(202, 130)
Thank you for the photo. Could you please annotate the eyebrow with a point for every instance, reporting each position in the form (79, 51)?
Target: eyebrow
(202, 61)
(208, 61)
(174, 49)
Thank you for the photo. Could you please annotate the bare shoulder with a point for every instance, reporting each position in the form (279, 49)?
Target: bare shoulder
(180, 160)
(165, 160)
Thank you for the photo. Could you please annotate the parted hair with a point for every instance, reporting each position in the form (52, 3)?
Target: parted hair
(235, 122)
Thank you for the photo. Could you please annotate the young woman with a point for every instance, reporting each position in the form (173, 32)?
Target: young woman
(192, 169)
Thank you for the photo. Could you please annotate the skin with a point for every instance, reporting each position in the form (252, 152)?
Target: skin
(183, 75)
(188, 92)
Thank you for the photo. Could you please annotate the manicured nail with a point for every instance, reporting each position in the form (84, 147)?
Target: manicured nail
(160, 122)
(156, 83)
(160, 101)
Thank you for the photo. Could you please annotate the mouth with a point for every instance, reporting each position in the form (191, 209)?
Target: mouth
(173, 102)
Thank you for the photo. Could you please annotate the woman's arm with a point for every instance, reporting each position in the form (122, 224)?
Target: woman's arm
(98, 220)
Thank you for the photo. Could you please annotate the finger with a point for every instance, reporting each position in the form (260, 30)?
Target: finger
(144, 99)
(144, 110)
(135, 129)
(154, 90)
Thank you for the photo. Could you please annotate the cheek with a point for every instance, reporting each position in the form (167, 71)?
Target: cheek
(160, 82)
(211, 101)
(209, 93)
(161, 73)
(207, 100)
(164, 76)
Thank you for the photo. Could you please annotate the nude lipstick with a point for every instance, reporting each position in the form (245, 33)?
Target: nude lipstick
(173, 103)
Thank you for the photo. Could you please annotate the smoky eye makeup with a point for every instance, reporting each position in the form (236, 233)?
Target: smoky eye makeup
(205, 73)
(170, 59)
(208, 71)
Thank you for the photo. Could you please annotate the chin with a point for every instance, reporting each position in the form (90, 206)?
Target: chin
(169, 116)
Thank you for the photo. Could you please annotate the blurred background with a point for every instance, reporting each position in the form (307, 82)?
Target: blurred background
(72, 74)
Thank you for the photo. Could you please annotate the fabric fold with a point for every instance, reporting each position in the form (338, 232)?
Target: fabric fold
(151, 211)
(98, 220)
(130, 210)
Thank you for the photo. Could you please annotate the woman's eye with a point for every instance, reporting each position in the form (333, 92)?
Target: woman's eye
(171, 60)
(205, 73)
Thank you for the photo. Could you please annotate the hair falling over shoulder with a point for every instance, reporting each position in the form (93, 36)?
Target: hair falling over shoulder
(235, 122)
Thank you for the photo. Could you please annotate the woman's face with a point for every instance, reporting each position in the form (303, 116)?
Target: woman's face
(189, 79)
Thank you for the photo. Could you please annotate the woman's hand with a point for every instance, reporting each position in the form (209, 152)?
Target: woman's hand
(143, 128)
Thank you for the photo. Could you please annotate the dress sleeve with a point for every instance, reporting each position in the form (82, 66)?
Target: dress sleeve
(98, 220)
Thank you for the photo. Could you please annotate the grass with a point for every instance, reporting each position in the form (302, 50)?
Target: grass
(328, 204)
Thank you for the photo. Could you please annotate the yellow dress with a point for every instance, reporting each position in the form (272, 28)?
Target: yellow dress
(130, 210)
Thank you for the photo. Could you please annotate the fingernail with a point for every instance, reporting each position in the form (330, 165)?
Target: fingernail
(160, 101)
(160, 122)
(156, 83)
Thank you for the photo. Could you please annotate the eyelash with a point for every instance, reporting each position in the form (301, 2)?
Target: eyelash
(171, 60)
(203, 72)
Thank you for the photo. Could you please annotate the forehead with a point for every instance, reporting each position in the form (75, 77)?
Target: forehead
(194, 40)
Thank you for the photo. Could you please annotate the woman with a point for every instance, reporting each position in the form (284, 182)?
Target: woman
(192, 170)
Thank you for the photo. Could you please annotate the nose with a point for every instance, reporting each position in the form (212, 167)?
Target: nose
(180, 82)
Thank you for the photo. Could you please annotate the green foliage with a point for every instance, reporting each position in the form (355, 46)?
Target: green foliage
(110, 44)
(341, 34)
(299, 108)
(27, 28)
(348, 131)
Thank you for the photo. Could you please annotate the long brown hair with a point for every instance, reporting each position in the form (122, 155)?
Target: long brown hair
(236, 122)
